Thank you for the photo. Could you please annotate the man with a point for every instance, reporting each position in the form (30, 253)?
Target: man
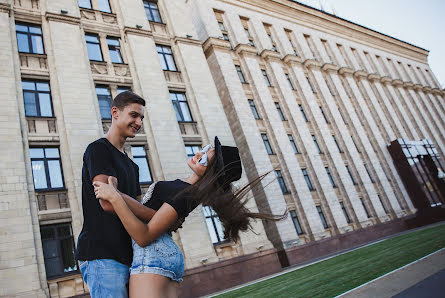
(104, 247)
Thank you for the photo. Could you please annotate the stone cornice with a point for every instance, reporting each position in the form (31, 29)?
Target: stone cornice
(136, 31)
(408, 84)
(28, 16)
(437, 91)
(245, 49)
(270, 55)
(292, 59)
(397, 82)
(5, 7)
(360, 74)
(185, 40)
(345, 71)
(311, 63)
(312, 18)
(385, 79)
(62, 18)
(417, 87)
(426, 89)
(329, 67)
(213, 43)
(374, 76)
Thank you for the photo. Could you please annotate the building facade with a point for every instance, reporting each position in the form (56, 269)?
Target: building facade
(311, 98)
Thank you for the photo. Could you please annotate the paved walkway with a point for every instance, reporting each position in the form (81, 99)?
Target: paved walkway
(422, 278)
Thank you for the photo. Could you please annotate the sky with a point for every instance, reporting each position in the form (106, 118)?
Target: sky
(416, 22)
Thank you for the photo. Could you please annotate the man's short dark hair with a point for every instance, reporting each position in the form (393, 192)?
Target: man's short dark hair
(125, 98)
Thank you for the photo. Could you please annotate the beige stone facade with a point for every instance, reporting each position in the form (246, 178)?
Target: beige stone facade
(350, 89)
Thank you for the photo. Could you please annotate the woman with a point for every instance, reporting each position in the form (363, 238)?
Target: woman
(158, 264)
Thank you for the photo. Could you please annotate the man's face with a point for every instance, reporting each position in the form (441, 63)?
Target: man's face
(129, 120)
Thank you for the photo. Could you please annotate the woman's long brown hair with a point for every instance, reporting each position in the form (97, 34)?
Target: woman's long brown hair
(229, 205)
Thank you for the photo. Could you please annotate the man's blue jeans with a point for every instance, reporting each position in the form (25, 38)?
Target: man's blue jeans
(105, 278)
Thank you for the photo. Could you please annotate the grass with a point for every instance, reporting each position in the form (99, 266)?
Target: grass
(347, 271)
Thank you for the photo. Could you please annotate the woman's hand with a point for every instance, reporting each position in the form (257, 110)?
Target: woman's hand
(107, 192)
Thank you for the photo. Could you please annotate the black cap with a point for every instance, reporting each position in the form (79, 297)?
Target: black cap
(228, 160)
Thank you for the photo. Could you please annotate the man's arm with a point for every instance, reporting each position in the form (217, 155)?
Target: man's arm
(142, 212)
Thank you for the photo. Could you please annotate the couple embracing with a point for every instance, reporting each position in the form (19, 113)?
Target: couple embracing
(127, 239)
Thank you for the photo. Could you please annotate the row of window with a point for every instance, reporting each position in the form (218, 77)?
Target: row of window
(151, 8)
(400, 73)
(47, 168)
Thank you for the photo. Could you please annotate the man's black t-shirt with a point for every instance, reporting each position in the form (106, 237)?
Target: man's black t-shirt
(166, 191)
(103, 236)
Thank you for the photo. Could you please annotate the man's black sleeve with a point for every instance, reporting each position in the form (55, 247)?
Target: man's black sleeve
(98, 160)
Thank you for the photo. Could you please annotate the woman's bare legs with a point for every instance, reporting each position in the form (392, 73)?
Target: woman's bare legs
(145, 285)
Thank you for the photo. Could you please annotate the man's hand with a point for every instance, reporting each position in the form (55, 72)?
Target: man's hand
(177, 225)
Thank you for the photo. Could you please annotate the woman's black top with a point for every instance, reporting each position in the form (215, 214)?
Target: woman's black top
(166, 191)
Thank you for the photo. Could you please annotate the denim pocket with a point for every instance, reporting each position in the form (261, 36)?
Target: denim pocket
(165, 247)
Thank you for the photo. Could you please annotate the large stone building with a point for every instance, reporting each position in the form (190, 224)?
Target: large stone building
(304, 94)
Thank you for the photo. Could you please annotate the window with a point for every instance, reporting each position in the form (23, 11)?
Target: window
(191, 150)
(221, 26)
(251, 42)
(84, 4)
(240, 74)
(369, 173)
(297, 226)
(58, 249)
(330, 177)
(214, 225)
(289, 81)
(310, 85)
(308, 180)
(152, 11)
(330, 89)
(122, 89)
(267, 144)
(181, 107)
(355, 144)
(324, 116)
(224, 31)
(336, 144)
(140, 158)
(316, 144)
(29, 38)
(226, 37)
(166, 58)
(280, 112)
(268, 29)
(105, 101)
(46, 169)
(254, 110)
(322, 218)
(115, 49)
(37, 97)
(281, 182)
(289, 37)
(104, 5)
(266, 78)
(294, 146)
(93, 47)
(303, 113)
(364, 207)
(345, 212)
(350, 175)
(274, 45)
(383, 205)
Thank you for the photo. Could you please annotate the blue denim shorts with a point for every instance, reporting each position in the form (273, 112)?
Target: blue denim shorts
(162, 257)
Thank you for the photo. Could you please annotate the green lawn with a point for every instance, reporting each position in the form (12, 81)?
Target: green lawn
(344, 272)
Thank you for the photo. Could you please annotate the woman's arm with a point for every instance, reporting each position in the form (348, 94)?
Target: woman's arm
(142, 212)
(141, 233)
